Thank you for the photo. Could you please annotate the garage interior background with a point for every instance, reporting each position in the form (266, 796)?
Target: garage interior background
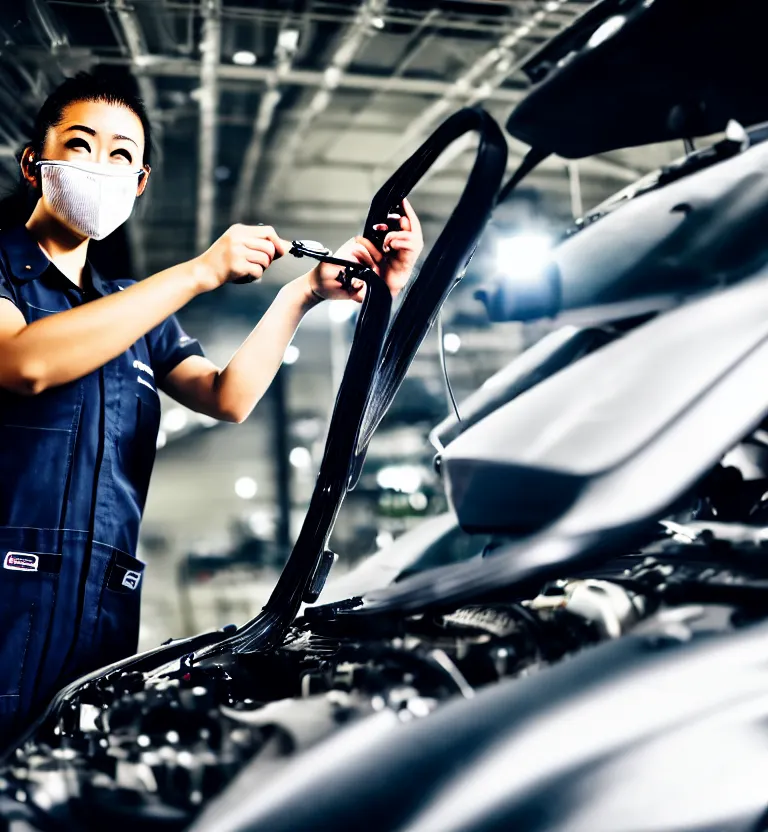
(292, 113)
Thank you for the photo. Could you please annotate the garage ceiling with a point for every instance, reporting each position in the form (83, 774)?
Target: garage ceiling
(336, 95)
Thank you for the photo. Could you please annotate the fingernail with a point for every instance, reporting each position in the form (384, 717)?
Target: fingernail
(386, 249)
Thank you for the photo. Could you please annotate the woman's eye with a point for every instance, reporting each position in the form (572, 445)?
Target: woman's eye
(74, 144)
(124, 154)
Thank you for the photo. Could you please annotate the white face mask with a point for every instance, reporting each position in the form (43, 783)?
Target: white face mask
(89, 198)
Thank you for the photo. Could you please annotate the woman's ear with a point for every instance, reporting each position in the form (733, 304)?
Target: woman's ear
(143, 180)
(28, 169)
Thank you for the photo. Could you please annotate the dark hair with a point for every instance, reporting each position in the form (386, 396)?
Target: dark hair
(17, 206)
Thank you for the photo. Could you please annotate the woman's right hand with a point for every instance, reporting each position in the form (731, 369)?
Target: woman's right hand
(242, 253)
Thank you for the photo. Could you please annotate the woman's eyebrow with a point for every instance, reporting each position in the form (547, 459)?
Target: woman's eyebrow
(91, 132)
(118, 137)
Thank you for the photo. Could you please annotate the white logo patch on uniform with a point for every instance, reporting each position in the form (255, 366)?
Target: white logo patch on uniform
(145, 383)
(131, 579)
(21, 562)
(140, 365)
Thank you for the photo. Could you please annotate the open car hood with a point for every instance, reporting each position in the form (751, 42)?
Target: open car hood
(634, 72)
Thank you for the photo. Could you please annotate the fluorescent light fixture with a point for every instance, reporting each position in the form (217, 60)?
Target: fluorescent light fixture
(244, 57)
(291, 355)
(524, 256)
(246, 488)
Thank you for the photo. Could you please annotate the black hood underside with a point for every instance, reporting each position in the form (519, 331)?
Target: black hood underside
(671, 69)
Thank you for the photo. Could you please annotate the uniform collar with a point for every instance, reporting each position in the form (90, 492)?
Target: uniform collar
(28, 261)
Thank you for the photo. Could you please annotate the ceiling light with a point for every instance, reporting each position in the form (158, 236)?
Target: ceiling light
(551, 6)
(246, 488)
(342, 310)
(300, 458)
(261, 523)
(524, 256)
(175, 420)
(451, 342)
(244, 58)
(377, 22)
(288, 39)
(332, 76)
(291, 355)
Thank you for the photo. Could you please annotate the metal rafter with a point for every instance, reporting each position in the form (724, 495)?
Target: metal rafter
(208, 101)
(353, 39)
(476, 84)
(285, 50)
(136, 47)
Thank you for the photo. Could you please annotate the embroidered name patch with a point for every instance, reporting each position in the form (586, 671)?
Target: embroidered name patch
(131, 579)
(21, 562)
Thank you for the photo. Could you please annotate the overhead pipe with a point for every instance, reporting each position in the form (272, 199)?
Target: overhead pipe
(210, 47)
(285, 50)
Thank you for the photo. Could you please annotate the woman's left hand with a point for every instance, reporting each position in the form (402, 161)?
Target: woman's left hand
(401, 250)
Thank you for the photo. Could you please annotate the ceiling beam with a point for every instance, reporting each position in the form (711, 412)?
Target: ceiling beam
(285, 50)
(159, 66)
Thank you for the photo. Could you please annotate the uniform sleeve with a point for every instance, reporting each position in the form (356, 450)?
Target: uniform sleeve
(5, 287)
(169, 345)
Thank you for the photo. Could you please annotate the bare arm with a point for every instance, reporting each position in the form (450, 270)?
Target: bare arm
(71, 344)
(232, 393)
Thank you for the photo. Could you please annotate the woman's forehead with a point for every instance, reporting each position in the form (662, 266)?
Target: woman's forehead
(105, 118)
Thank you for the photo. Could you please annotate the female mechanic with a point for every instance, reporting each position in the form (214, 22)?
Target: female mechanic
(81, 359)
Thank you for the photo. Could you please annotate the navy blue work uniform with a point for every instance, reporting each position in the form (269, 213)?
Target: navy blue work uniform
(75, 463)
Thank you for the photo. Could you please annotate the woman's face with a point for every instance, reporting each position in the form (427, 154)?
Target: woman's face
(95, 131)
